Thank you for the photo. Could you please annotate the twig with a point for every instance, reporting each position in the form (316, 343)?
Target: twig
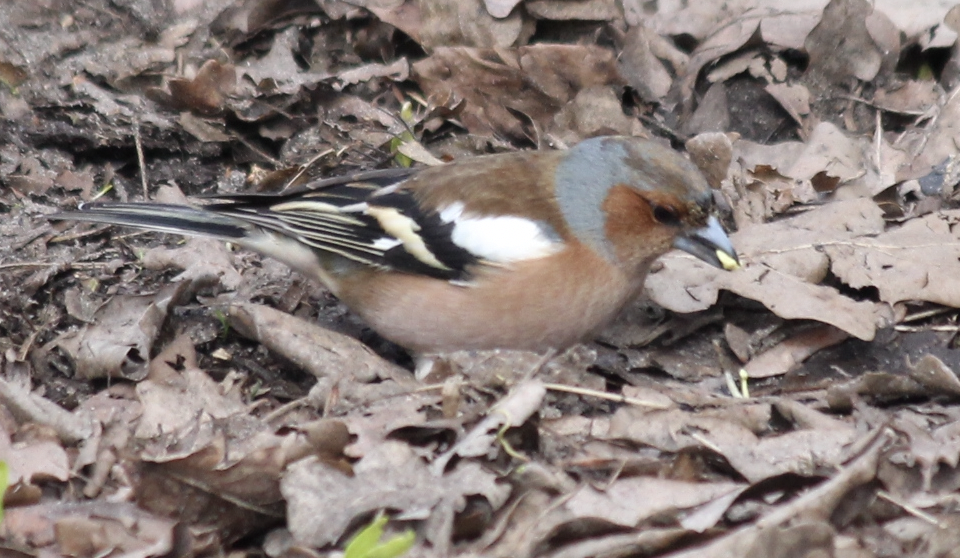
(927, 314)
(912, 329)
(304, 168)
(141, 161)
(607, 396)
(914, 511)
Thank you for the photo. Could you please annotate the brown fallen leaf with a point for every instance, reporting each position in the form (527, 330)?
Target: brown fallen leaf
(204, 93)
(499, 85)
(278, 71)
(319, 351)
(920, 260)
(467, 23)
(631, 501)
(177, 393)
(512, 411)
(932, 444)
(840, 46)
(642, 68)
(935, 144)
(34, 461)
(935, 374)
(795, 255)
(911, 97)
(804, 451)
(790, 353)
(119, 343)
(97, 528)
(802, 524)
(322, 502)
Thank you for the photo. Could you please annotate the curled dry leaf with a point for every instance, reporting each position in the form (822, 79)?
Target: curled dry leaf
(725, 33)
(682, 287)
(911, 97)
(790, 353)
(177, 393)
(832, 153)
(278, 71)
(206, 92)
(319, 351)
(712, 153)
(788, 257)
(794, 98)
(803, 522)
(641, 67)
(936, 145)
(781, 25)
(203, 457)
(935, 374)
(933, 443)
(594, 111)
(27, 406)
(119, 343)
(399, 70)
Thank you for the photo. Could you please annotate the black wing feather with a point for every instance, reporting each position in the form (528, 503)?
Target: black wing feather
(347, 230)
(329, 215)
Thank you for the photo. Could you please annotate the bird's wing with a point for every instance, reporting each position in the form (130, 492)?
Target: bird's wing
(369, 218)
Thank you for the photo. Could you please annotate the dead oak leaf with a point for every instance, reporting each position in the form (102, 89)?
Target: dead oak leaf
(919, 261)
(34, 460)
(630, 501)
(840, 46)
(322, 501)
(930, 444)
(97, 528)
(278, 71)
(814, 446)
(119, 342)
(506, 89)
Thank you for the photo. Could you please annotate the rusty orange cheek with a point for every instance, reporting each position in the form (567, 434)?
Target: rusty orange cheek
(627, 214)
(630, 225)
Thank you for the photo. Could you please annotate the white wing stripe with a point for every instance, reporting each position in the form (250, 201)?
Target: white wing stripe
(501, 239)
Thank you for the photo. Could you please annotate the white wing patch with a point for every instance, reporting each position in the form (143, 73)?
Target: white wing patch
(502, 239)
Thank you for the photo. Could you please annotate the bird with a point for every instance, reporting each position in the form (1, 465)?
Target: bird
(529, 250)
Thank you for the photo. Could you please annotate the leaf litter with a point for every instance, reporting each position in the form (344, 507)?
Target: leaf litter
(155, 402)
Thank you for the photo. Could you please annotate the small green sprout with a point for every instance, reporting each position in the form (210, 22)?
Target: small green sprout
(221, 317)
(102, 191)
(406, 115)
(4, 477)
(367, 543)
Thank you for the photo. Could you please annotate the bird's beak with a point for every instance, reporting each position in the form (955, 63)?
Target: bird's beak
(710, 244)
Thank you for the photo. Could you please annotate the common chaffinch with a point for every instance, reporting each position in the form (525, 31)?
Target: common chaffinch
(526, 250)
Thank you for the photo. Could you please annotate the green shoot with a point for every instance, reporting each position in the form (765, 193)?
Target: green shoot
(4, 474)
(367, 543)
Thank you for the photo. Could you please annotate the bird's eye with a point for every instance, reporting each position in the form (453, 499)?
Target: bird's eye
(666, 215)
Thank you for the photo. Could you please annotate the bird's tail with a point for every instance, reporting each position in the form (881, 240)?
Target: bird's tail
(177, 219)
